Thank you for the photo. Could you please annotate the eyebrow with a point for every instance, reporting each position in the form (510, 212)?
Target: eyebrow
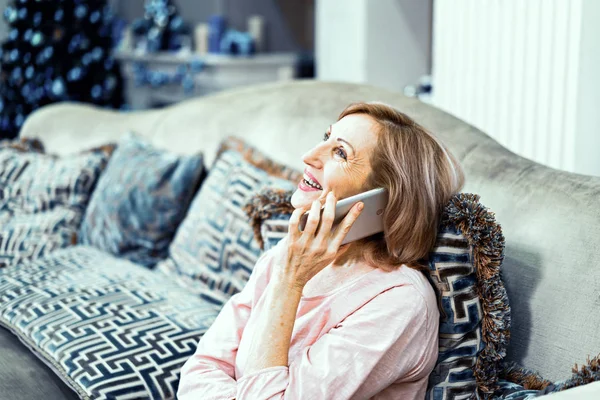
(343, 140)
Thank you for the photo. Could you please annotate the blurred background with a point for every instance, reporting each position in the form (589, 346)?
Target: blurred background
(524, 72)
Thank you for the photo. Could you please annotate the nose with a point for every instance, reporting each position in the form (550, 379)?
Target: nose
(314, 157)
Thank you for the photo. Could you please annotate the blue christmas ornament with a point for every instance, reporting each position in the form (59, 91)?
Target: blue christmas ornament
(19, 119)
(13, 35)
(80, 11)
(10, 14)
(37, 18)
(28, 34)
(96, 91)
(59, 14)
(49, 72)
(16, 74)
(74, 74)
(14, 55)
(37, 39)
(94, 17)
(97, 53)
(27, 58)
(58, 87)
(22, 13)
(48, 51)
(86, 59)
(110, 83)
(29, 72)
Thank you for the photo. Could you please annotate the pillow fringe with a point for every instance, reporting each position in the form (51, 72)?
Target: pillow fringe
(478, 225)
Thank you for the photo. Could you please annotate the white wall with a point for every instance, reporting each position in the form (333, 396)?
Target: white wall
(525, 72)
(385, 43)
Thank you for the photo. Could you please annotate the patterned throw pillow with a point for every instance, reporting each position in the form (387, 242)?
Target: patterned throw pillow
(109, 328)
(43, 197)
(464, 268)
(214, 249)
(140, 200)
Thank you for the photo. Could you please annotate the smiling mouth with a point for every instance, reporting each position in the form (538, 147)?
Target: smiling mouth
(309, 182)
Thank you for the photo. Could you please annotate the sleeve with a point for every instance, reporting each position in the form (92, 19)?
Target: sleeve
(209, 373)
(384, 340)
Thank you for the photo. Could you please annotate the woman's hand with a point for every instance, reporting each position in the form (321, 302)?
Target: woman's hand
(310, 251)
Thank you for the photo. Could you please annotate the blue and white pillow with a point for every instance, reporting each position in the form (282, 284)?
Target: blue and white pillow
(464, 268)
(43, 198)
(140, 200)
(214, 250)
(111, 329)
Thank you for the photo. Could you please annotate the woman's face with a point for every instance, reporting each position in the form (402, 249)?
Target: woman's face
(340, 163)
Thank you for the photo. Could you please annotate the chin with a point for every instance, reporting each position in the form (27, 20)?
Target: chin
(301, 198)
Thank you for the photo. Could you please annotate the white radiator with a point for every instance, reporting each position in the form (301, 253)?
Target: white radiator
(516, 70)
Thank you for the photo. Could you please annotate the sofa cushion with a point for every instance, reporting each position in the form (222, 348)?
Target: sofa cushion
(109, 328)
(43, 198)
(214, 250)
(464, 268)
(140, 200)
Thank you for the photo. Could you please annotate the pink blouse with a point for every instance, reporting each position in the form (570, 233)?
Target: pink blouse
(376, 336)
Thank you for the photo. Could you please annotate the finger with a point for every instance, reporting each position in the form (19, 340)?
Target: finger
(293, 230)
(314, 217)
(328, 216)
(346, 224)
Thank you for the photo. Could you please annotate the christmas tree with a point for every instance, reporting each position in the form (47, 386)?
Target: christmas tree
(56, 50)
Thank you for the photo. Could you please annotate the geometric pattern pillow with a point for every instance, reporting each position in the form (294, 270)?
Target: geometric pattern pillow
(43, 198)
(140, 200)
(464, 268)
(214, 249)
(111, 329)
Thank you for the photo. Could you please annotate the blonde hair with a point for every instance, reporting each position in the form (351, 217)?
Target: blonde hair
(420, 174)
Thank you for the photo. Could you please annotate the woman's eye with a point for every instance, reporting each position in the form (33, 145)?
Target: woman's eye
(326, 136)
(340, 152)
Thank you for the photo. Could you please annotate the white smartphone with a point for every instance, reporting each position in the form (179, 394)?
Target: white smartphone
(370, 220)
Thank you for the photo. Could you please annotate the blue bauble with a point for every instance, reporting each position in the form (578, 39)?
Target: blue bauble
(96, 91)
(86, 59)
(80, 11)
(14, 55)
(28, 34)
(27, 58)
(74, 74)
(13, 34)
(37, 39)
(16, 75)
(94, 17)
(110, 83)
(22, 13)
(37, 18)
(97, 53)
(10, 14)
(29, 72)
(58, 87)
(19, 119)
(48, 52)
(59, 14)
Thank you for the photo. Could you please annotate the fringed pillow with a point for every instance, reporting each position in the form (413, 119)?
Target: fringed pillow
(214, 250)
(464, 267)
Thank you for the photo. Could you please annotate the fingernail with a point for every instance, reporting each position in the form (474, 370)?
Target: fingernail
(360, 206)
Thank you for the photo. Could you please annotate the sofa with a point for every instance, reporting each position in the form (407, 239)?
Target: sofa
(550, 218)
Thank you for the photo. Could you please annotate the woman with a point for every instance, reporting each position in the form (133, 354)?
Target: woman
(320, 321)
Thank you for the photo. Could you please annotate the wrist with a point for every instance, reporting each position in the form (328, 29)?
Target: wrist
(285, 283)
